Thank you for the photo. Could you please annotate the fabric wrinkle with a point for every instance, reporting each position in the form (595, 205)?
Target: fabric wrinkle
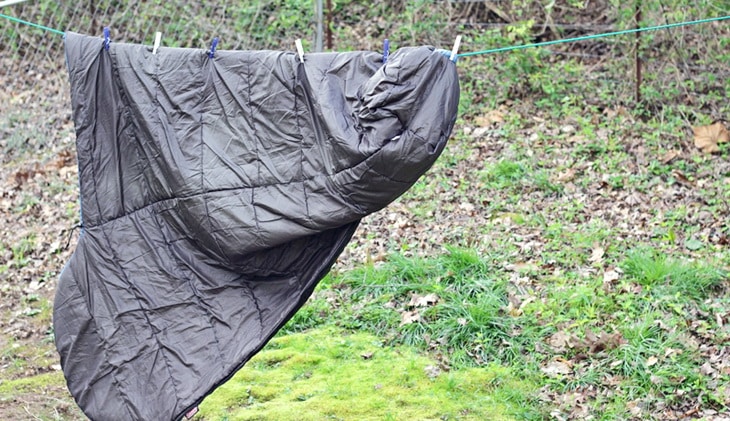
(216, 194)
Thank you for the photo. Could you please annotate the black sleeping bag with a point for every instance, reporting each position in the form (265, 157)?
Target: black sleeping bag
(215, 194)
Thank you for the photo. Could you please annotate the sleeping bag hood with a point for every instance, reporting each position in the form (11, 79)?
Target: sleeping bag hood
(215, 193)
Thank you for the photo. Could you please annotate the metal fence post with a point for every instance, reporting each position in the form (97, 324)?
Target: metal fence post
(319, 35)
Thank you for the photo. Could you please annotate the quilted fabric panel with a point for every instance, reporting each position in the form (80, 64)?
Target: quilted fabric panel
(215, 194)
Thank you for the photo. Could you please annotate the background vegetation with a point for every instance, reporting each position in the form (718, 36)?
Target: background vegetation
(566, 258)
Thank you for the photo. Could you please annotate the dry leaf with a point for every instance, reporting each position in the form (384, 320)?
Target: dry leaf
(707, 137)
(522, 267)
(432, 371)
(423, 300)
(559, 341)
(557, 367)
(408, 317)
(512, 310)
(565, 176)
(669, 156)
(651, 361)
(597, 255)
(493, 116)
(366, 355)
(682, 179)
(610, 276)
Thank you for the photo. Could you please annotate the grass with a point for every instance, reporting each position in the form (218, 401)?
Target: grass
(35, 397)
(554, 260)
(350, 354)
(19, 357)
(329, 373)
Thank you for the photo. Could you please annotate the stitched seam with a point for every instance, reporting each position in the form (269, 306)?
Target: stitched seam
(181, 275)
(243, 267)
(202, 156)
(131, 289)
(105, 344)
(253, 188)
(301, 147)
(231, 189)
(144, 311)
(256, 303)
(256, 151)
(389, 178)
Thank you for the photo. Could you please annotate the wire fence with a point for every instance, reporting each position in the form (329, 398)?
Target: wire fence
(34, 79)
(29, 53)
(35, 98)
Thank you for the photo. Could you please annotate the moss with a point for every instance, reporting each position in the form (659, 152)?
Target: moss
(32, 384)
(328, 374)
(43, 397)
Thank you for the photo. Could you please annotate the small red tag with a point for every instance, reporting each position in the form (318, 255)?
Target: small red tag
(191, 413)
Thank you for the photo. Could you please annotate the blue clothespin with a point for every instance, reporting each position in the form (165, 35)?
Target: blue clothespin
(386, 50)
(107, 39)
(213, 46)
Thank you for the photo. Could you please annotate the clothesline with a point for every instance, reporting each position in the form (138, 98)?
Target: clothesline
(595, 36)
(34, 25)
(493, 50)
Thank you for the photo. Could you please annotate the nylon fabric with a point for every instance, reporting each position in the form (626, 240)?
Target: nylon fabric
(215, 194)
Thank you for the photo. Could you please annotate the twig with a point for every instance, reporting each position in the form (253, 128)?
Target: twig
(329, 25)
(637, 49)
(25, 408)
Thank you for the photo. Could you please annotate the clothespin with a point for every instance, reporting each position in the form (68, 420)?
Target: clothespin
(158, 38)
(107, 39)
(300, 49)
(213, 46)
(455, 50)
(386, 50)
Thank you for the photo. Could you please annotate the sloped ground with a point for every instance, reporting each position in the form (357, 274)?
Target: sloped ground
(554, 176)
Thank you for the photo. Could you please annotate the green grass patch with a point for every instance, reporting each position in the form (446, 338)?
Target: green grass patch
(570, 333)
(653, 269)
(329, 373)
(32, 384)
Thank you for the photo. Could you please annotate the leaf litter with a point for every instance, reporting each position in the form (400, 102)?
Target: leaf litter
(457, 203)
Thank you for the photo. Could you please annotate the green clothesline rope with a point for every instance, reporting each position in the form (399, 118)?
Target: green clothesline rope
(494, 50)
(587, 37)
(35, 25)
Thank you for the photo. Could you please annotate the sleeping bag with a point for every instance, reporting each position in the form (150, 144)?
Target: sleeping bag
(215, 193)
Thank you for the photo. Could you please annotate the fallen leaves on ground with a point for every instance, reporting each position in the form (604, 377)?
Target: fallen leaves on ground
(557, 367)
(423, 300)
(707, 138)
(408, 317)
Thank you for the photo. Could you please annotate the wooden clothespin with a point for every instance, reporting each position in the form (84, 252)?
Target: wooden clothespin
(455, 49)
(156, 45)
(300, 49)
